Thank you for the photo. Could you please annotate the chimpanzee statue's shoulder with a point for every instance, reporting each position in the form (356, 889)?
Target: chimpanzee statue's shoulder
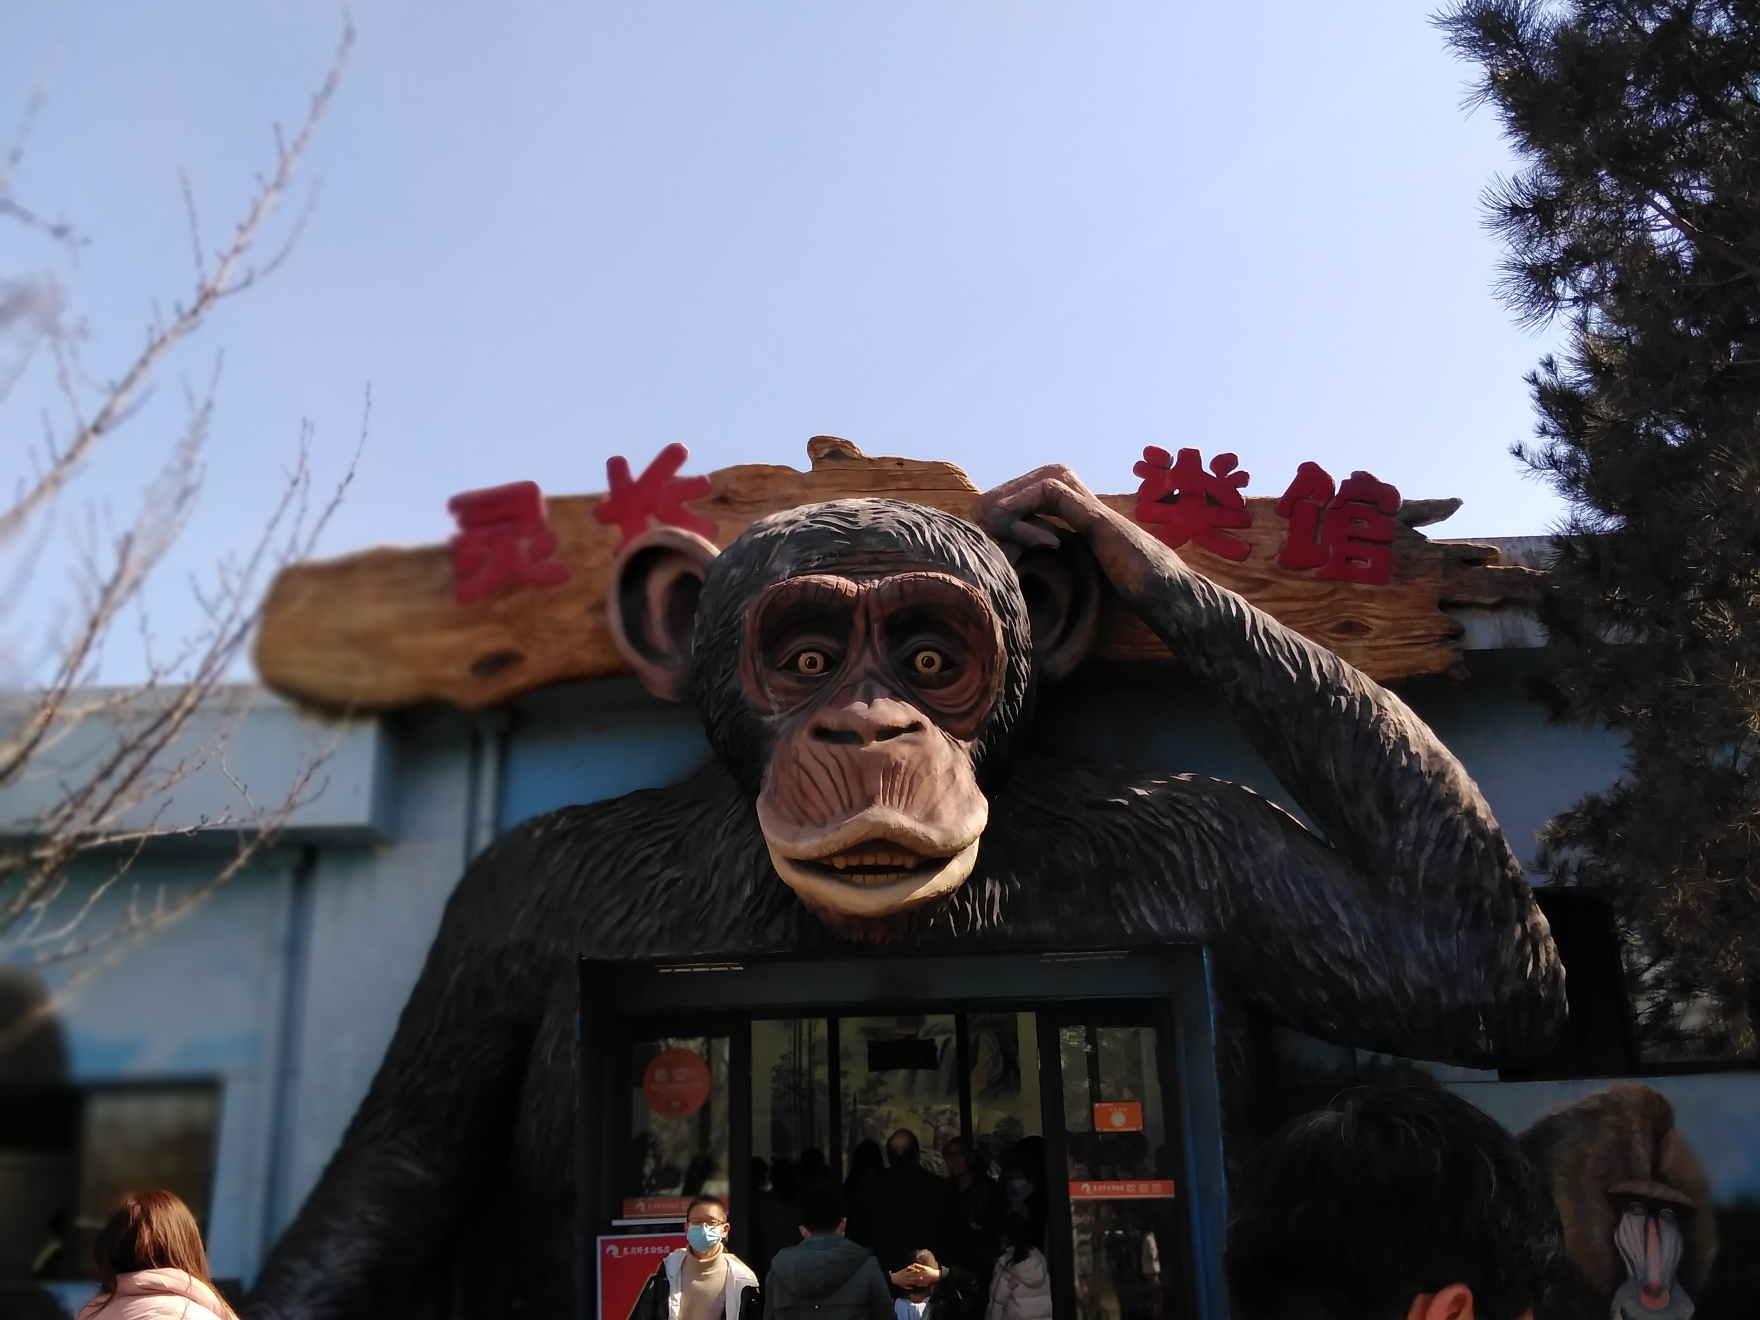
(1076, 853)
(674, 871)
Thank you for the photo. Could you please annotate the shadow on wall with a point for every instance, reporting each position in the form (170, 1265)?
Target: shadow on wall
(39, 1127)
(69, 1152)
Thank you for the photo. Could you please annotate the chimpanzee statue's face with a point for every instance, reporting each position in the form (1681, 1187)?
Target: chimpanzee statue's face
(864, 668)
(877, 684)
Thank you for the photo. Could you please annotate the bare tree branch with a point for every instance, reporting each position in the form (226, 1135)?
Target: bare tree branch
(102, 762)
(10, 207)
(231, 274)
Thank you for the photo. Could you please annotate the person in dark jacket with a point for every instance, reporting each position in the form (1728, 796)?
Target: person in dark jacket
(977, 1210)
(775, 1212)
(901, 1205)
(864, 1162)
(933, 1291)
(825, 1276)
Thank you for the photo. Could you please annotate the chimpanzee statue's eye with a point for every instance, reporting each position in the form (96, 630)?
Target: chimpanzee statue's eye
(928, 662)
(811, 663)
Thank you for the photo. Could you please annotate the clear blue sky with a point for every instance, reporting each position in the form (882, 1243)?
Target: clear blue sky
(1002, 234)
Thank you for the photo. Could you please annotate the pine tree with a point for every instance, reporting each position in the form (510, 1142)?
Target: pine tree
(1634, 224)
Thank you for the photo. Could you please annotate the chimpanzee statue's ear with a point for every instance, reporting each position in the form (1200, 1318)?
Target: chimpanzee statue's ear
(655, 583)
(1062, 588)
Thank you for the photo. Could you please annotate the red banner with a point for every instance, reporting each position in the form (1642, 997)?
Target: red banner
(1142, 1189)
(624, 1266)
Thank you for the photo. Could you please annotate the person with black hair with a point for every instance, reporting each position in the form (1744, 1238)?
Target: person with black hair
(702, 1280)
(1020, 1289)
(976, 1209)
(825, 1276)
(865, 1160)
(1393, 1203)
(903, 1208)
(933, 1291)
(811, 1167)
(776, 1213)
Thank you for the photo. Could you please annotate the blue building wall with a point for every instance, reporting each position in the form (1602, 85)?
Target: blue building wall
(585, 742)
(284, 986)
(199, 1001)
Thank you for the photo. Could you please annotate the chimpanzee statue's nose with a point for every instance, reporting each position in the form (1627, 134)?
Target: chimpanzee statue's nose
(863, 722)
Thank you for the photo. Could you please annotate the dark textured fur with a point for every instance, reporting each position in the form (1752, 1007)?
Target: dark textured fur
(1412, 931)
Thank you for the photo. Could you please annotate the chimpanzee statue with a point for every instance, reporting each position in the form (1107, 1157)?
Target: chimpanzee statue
(866, 673)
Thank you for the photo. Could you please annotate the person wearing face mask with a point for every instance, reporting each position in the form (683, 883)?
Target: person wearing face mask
(702, 1280)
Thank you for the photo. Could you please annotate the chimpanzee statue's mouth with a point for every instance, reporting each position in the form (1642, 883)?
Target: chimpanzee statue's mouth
(876, 862)
(874, 890)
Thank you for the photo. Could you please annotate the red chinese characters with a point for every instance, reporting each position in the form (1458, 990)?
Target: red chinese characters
(1346, 534)
(1180, 501)
(658, 493)
(502, 537)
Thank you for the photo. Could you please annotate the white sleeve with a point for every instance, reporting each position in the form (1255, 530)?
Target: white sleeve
(999, 1293)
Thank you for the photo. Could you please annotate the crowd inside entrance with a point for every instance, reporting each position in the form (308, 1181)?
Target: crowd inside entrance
(1034, 1142)
(947, 1244)
(893, 1241)
(1393, 1203)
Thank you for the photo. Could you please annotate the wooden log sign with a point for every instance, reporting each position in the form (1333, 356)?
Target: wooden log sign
(517, 601)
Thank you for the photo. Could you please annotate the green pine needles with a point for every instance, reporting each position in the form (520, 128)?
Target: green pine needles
(1635, 222)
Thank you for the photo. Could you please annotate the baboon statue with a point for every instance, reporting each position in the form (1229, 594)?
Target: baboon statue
(1635, 1205)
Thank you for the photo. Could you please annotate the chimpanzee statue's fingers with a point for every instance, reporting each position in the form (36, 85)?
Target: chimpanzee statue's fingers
(1013, 514)
(1008, 512)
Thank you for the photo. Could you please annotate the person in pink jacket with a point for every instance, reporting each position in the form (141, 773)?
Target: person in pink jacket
(151, 1265)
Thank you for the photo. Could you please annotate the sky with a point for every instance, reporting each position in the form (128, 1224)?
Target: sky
(999, 234)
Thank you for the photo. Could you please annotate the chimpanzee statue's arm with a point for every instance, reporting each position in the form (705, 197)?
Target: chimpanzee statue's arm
(1410, 927)
(436, 1118)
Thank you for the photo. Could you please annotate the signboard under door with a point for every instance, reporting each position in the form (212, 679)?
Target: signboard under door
(625, 1264)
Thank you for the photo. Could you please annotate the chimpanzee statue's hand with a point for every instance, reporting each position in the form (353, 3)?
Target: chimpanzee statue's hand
(1013, 514)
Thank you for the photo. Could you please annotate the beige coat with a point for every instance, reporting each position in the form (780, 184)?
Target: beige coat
(739, 1276)
(157, 1295)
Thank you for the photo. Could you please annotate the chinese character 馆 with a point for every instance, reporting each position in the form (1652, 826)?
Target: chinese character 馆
(1347, 534)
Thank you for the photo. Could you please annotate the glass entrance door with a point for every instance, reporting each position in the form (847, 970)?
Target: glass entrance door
(678, 1125)
(1124, 1239)
(1084, 1082)
(1068, 1116)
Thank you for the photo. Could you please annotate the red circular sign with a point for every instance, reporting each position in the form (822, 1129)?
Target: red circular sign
(676, 1083)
